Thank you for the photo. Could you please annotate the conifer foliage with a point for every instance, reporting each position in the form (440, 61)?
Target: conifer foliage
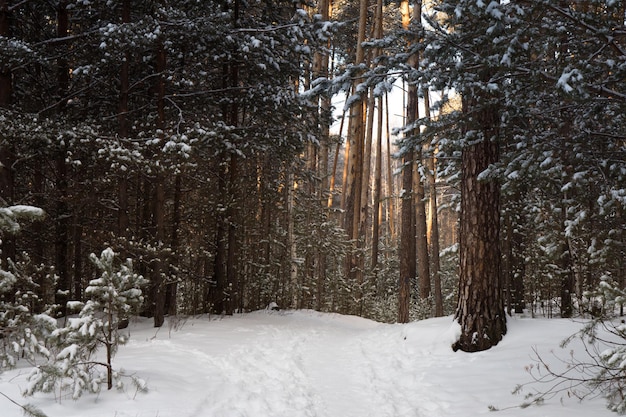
(22, 332)
(538, 88)
(73, 362)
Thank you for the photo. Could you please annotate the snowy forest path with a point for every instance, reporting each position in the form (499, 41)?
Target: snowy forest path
(298, 365)
(310, 364)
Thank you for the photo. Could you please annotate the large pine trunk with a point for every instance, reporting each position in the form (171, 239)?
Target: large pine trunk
(480, 309)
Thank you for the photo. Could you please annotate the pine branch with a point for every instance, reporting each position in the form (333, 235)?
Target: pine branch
(28, 409)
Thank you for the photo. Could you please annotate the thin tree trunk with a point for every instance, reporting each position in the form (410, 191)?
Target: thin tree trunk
(171, 290)
(7, 243)
(377, 187)
(38, 246)
(363, 234)
(356, 138)
(567, 280)
(433, 220)
(7, 179)
(122, 116)
(345, 175)
(321, 254)
(407, 231)
(232, 273)
(267, 210)
(62, 232)
(378, 31)
(325, 109)
(62, 209)
(123, 130)
(291, 239)
(63, 71)
(6, 84)
(157, 264)
(224, 262)
(333, 176)
(407, 241)
(566, 273)
(232, 277)
(408, 265)
(423, 262)
(78, 262)
(390, 182)
(158, 212)
(217, 288)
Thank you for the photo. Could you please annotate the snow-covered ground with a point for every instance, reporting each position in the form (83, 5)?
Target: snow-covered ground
(304, 363)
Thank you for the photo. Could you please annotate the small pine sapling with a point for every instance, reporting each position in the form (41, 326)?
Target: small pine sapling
(117, 294)
(113, 297)
(22, 333)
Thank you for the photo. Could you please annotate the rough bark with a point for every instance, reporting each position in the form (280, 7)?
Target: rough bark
(480, 309)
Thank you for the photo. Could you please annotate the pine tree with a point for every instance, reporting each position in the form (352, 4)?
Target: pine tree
(113, 297)
(23, 331)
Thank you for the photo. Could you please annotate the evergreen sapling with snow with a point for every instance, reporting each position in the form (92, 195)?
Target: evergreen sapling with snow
(22, 331)
(113, 297)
